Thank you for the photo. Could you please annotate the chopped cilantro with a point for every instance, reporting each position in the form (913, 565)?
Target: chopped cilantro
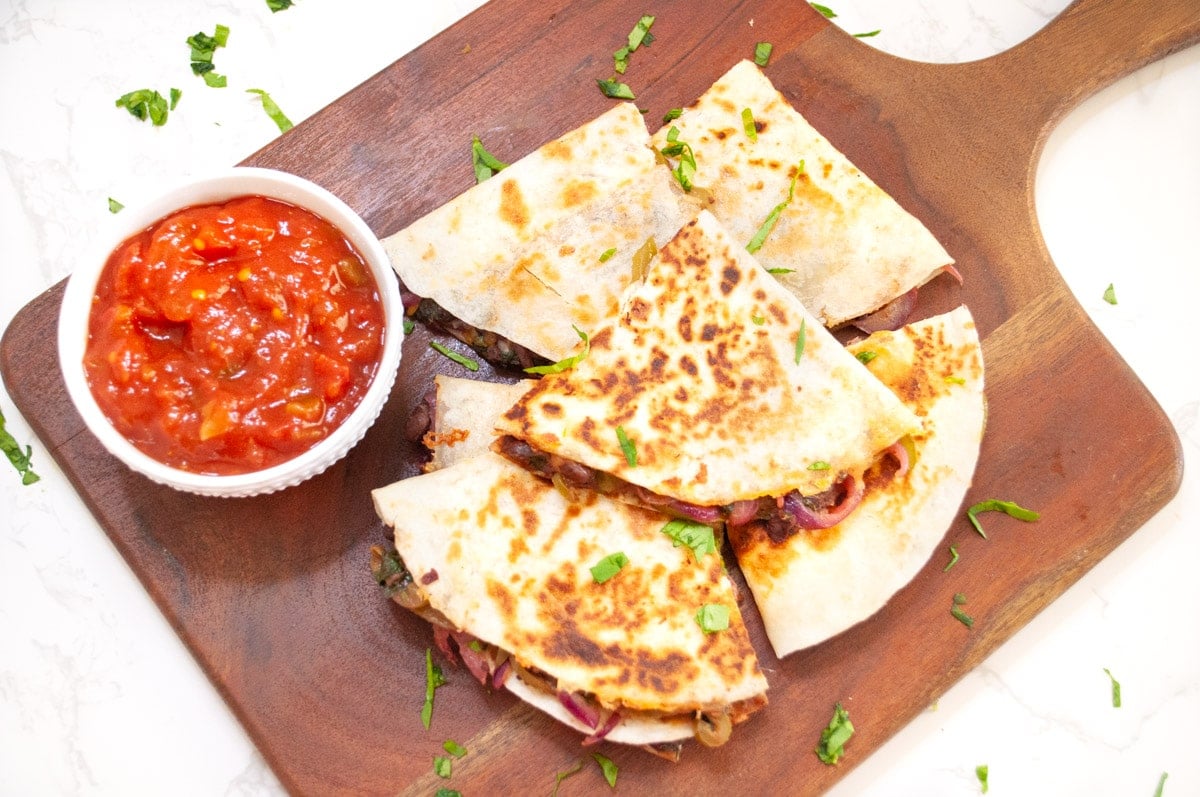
(567, 363)
(447, 793)
(981, 772)
(762, 53)
(465, 362)
(279, 5)
(442, 766)
(608, 567)
(114, 206)
(825, 11)
(954, 380)
(1116, 689)
(452, 747)
(800, 339)
(758, 320)
(627, 447)
(559, 777)
(713, 617)
(697, 536)
(641, 33)
(672, 115)
(953, 559)
(748, 124)
(1162, 779)
(203, 46)
(819, 465)
(607, 254)
(959, 614)
(868, 34)
(485, 163)
(769, 222)
(175, 95)
(866, 356)
(409, 326)
(1110, 294)
(277, 116)
(615, 89)
(685, 170)
(780, 270)
(433, 679)
(993, 505)
(834, 737)
(145, 104)
(608, 768)
(18, 458)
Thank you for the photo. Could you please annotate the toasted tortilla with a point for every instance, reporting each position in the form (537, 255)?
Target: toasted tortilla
(818, 583)
(534, 236)
(850, 247)
(464, 416)
(700, 373)
(506, 557)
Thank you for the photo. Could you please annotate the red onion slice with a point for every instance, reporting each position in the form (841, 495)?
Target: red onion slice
(580, 709)
(808, 517)
(441, 639)
(742, 512)
(500, 676)
(952, 271)
(892, 315)
(614, 719)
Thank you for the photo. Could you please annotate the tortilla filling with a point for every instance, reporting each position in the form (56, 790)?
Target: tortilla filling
(780, 517)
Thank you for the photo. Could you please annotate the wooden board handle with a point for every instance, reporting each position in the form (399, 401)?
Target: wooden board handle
(1090, 45)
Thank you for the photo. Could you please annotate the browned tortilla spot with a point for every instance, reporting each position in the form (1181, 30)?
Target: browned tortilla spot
(513, 209)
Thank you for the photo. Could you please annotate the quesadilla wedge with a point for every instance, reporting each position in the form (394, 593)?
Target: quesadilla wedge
(554, 234)
(583, 608)
(464, 414)
(840, 243)
(713, 396)
(815, 584)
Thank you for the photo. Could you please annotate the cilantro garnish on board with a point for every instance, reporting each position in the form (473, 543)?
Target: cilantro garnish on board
(762, 53)
(994, 505)
(433, 679)
(981, 773)
(559, 777)
(608, 768)
(832, 745)
(483, 162)
(279, 5)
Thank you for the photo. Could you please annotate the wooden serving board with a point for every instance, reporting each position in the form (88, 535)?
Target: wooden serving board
(273, 595)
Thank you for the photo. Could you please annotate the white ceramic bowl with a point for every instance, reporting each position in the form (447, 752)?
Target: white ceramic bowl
(77, 301)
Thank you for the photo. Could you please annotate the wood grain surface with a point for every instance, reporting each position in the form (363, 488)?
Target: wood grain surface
(272, 594)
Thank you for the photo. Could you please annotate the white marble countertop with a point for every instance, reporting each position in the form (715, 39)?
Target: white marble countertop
(98, 695)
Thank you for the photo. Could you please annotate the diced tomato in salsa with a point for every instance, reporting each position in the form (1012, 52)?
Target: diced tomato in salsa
(228, 338)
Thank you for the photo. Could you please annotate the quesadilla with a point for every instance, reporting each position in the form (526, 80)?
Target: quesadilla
(841, 244)
(815, 584)
(554, 234)
(583, 608)
(713, 396)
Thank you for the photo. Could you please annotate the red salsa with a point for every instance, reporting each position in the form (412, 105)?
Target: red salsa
(228, 338)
